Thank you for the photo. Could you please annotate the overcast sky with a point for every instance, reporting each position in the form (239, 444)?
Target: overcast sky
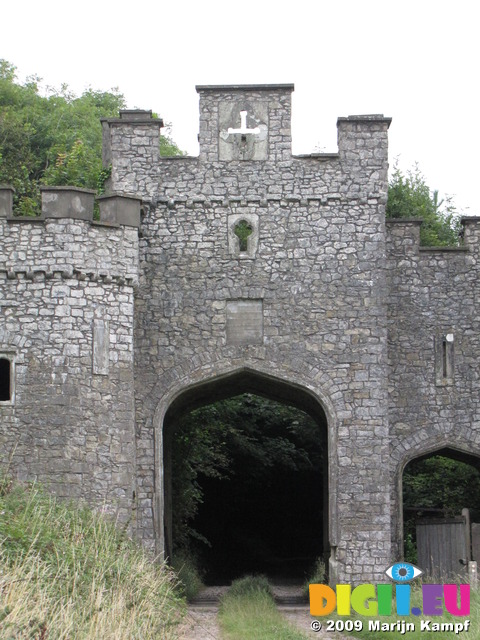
(414, 60)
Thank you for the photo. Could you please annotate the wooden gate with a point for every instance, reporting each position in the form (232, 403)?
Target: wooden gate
(443, 547)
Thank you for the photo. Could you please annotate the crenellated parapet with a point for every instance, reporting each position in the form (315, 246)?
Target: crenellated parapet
(66, 239)
(403, 239)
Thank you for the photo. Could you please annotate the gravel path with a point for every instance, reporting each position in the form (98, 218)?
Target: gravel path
(200, 623)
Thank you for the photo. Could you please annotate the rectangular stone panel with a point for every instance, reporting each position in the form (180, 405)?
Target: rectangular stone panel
(245, 322)
(101, 346)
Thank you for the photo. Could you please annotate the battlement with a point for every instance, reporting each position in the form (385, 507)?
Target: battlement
(77, 204)
(403, 239)
(66, 239)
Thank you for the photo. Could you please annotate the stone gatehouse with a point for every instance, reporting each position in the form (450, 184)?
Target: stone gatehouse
(242, 269)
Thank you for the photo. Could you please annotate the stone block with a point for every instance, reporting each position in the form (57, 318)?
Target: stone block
(120, 209)
(67, 202)
(6, 200)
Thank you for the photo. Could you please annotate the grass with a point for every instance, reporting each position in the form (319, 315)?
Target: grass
(473, 632)
(67, 574)
(317, 576)
(248, 612)
(189, 576)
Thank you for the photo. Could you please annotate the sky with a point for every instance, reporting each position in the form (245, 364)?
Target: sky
(415, 61)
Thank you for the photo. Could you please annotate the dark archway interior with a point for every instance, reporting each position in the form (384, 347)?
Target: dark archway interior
(438, 485)
(270, 520)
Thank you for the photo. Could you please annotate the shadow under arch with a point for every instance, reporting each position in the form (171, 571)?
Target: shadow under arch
(454, 450)
(233, 383)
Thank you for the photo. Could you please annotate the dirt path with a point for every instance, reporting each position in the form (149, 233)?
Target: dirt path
(200, 623)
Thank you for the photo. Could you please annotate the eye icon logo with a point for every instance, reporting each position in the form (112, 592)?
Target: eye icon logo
(403, 572)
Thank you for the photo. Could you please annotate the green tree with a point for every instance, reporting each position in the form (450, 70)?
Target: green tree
(54, 139)
(410, 197)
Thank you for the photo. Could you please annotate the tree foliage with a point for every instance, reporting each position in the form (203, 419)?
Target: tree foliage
(53, 139)
(442, 483)
(410, 197)
(441, 487)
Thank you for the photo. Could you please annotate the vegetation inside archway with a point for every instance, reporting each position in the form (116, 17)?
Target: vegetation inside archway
(247, 488)
(437, 487)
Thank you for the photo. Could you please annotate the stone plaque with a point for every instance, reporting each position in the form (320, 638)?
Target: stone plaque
(243, 130)
(245, 322)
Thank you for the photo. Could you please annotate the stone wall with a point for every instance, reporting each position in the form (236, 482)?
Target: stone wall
(434, 349)
(108, 331)
(67, 300)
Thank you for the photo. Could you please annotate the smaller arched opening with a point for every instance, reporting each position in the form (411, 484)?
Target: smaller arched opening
(267, 509)
(440, 500)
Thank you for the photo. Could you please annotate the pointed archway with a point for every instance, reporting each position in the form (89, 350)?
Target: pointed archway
(206, 392)
(436, 484)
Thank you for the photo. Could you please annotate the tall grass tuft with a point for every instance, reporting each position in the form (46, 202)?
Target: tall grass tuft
(189, 575)
(66, 573)
(317, 576)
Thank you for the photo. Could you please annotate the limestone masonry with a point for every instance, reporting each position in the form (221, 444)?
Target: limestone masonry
(243, 269)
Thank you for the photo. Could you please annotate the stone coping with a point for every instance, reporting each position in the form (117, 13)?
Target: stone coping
(134, 117)
(418, 221)
(66, 188)
(365, 118)
(316, 156)
(244, 87)
(462, 249)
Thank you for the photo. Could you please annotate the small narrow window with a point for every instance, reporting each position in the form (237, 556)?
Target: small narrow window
(5, 380)
(242, 230)
(444, 359)
(243, 235)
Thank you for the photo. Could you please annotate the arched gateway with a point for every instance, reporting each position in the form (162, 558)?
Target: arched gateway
(245, 268)
(226, 385)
